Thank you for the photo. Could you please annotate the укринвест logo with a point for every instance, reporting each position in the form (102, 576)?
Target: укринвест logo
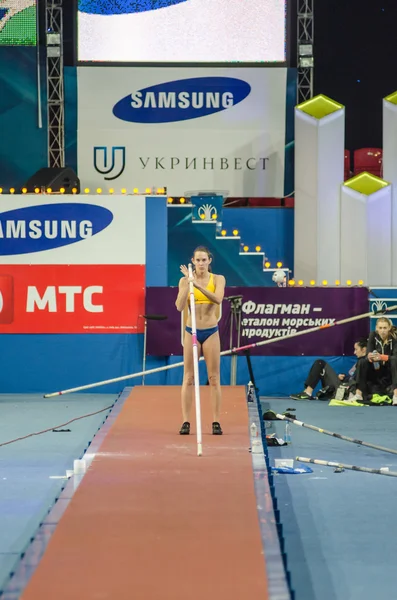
(182, 100)
(122, 7)
(50, 226)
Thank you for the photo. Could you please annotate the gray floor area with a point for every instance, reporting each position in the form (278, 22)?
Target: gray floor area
(339, 528)
(30, 469)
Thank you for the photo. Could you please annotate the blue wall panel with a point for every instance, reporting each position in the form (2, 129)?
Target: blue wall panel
(156, 241)
(271, 228)
(49, 363)
(184, 236)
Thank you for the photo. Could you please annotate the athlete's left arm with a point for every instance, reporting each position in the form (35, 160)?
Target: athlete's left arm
(216, 296)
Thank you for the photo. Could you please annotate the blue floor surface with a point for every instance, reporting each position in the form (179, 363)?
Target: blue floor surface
(340, 528)
(30, 468)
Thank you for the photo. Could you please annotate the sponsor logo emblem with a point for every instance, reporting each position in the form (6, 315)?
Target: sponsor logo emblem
(207, 212)
(182, 100)
(49, 226)
(378, 306)
(117, 164)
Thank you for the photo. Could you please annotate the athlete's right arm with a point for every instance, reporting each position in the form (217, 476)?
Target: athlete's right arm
(182, 294)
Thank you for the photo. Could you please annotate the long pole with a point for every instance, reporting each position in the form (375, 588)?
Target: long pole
(336, 435)
(144, 351)
(327, 463)
(224, 353)
(195, 363)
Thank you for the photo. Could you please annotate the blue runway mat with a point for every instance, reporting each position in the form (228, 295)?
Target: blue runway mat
(29, 469)
(339, 528)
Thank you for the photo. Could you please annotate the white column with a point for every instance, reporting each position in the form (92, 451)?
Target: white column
(390, 168)
(319, 170)
(365, 241)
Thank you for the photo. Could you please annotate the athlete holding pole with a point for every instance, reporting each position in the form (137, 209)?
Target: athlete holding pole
(208, 291)
(192, 306)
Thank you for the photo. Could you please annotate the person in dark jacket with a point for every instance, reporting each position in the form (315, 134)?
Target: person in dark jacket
(378, 372)
(322, 371)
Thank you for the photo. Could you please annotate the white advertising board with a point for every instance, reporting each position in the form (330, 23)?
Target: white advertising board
(218, 129)
(81, 230)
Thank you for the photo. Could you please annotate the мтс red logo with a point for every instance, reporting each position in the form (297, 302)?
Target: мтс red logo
(6, 299)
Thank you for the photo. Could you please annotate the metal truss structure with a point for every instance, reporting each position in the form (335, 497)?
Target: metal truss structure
(55, 83)
(305, 58)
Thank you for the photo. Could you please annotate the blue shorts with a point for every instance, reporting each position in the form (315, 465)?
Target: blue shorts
(203, 334)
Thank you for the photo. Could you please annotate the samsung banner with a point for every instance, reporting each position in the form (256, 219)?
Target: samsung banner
(72, 264)
(268, 315)
(213, 129)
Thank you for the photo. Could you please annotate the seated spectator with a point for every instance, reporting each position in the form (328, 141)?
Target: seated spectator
(330, 380)
(378, 372)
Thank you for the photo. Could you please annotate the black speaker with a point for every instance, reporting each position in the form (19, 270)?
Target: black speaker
(54, 178)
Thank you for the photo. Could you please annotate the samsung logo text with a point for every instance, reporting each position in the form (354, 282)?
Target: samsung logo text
(182, 100)
(50, 226)
(69, 230)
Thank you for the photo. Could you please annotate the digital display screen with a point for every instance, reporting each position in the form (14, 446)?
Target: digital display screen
(18, 23)
(182, 31)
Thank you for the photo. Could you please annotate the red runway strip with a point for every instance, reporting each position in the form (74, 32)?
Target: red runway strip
(152, 521)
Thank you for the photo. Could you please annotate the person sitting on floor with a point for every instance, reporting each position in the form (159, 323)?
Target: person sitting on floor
(378, 372)
(322, 371)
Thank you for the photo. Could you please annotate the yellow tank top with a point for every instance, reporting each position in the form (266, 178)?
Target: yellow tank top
(199, 297)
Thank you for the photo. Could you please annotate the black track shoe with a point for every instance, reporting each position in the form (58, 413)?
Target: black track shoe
(216, 428)
(185, 429)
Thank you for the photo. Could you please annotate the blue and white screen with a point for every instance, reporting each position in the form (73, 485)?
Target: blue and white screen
(182, 31)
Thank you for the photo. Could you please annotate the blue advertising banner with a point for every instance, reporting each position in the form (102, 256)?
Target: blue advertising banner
(268, 314)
